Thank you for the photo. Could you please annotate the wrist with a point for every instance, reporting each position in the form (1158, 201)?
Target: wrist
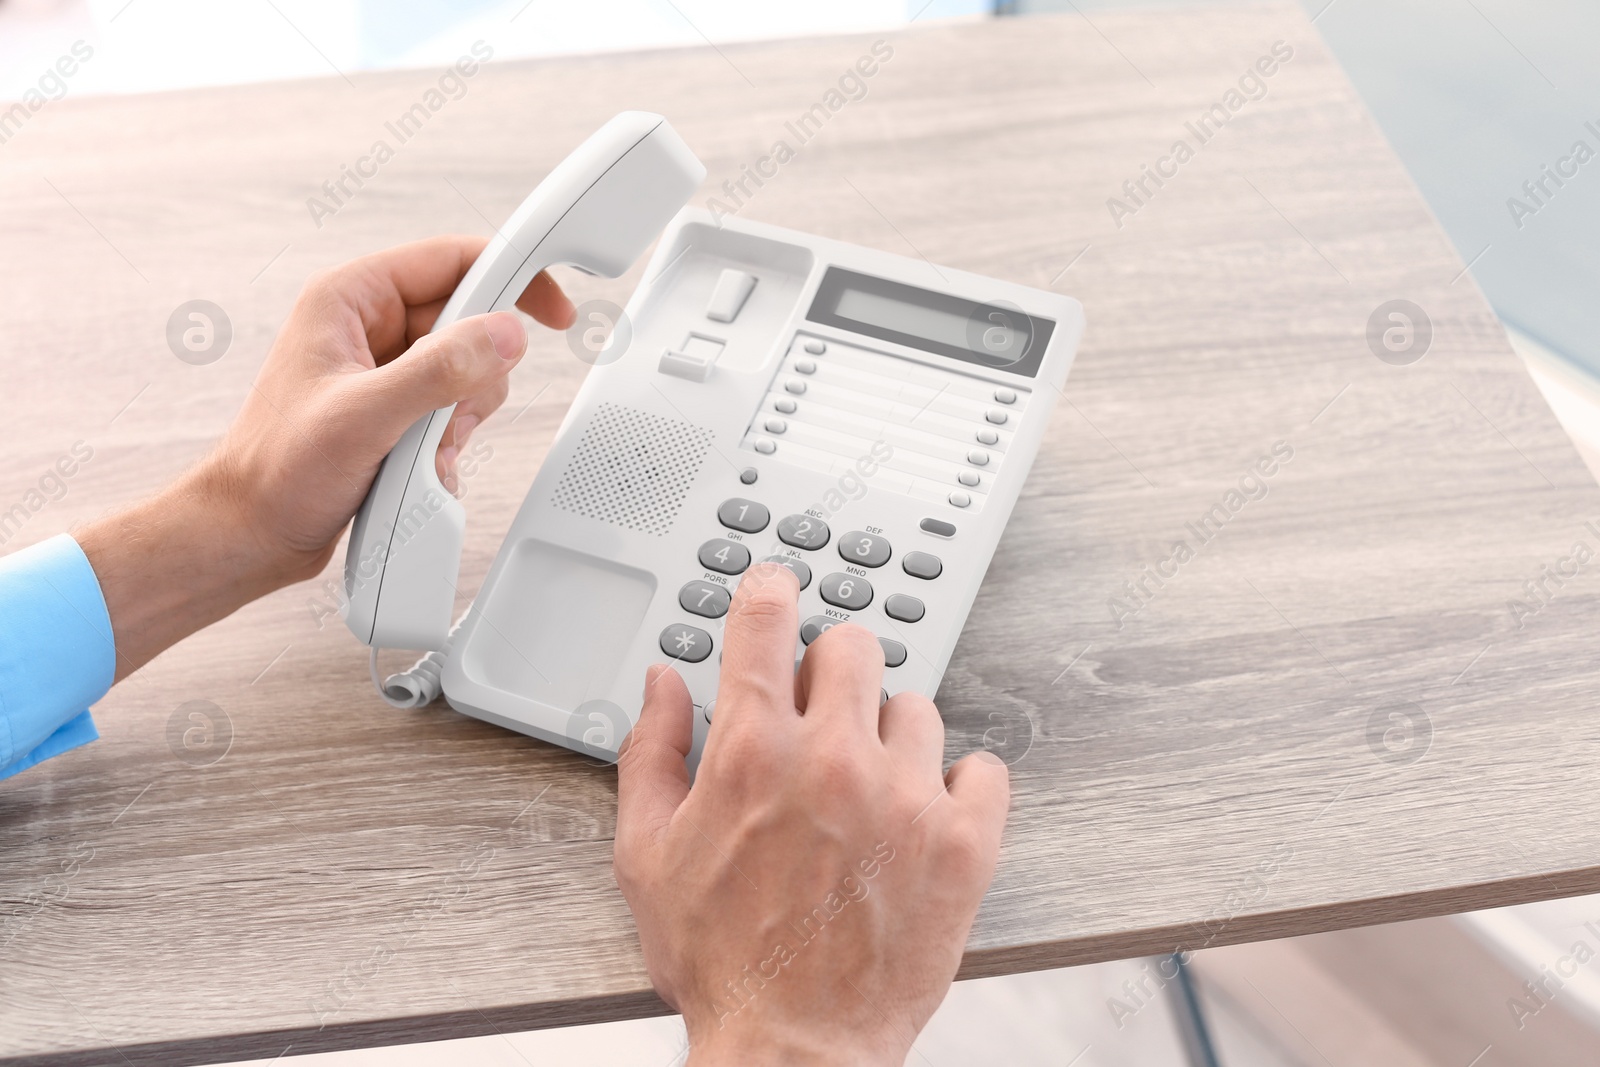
(175, 563)
(738, 1040)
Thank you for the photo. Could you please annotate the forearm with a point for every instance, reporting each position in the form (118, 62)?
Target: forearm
(174, 564)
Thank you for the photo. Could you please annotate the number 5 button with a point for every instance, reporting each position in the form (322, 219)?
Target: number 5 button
(864, 549)
(846, 591)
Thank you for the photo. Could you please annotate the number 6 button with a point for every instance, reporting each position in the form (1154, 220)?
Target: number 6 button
(864, 549)
(846, 591)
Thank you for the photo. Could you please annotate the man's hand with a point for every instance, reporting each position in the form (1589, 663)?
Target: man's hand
(353, 367)
(808, 899)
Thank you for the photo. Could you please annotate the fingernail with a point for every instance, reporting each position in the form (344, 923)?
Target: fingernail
(651, 674)
(508, 334)
(464, 426)
(989, 757)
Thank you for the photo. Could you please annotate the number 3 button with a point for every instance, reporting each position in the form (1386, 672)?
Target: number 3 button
(846, 591)
(864, 549)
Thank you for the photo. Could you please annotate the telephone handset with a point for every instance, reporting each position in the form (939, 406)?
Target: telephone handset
(597, 210)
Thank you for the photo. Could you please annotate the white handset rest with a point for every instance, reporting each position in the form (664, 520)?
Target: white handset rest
(598, 210)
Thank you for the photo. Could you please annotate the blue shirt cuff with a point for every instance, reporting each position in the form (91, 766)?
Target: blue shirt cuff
(57, 652)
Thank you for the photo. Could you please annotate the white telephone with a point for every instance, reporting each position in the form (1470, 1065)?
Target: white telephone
(867, 420)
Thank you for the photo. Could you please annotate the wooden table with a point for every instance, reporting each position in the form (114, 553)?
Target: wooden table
(1327, 716)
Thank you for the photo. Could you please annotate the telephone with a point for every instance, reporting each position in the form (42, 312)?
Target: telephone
(865, 419)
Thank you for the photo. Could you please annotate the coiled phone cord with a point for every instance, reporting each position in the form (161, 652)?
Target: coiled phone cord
(419, 684)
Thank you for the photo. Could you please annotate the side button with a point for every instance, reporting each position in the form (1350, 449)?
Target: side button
(938, 527)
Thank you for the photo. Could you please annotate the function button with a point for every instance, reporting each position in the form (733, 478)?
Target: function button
(1005, 396)
(959, 499)
(996, 416)
(688, 644)
(904, 608)
(846, 591)
(724, 557)
(746, 516)
(727, 299)
(978, 457)
(815, 347)
(776, 425)
(798, 566)
(813, 627)
(968, 477)
(703, 598)
(795, 386)
(785, 405)
(864, 549)
(748, 476)
(802, 531)
(987, 436)
(894, 653)
(766, 446)
(805, 366)
(937, 527)
(922, 565)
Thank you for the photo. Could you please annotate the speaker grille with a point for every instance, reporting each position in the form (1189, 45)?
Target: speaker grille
(632, 469)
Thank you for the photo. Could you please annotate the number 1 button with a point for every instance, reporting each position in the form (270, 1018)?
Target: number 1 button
(746, 516)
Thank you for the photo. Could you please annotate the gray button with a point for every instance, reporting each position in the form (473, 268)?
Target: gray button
(894, 653)
(805, 366)
(938, 527)
(922, 565)
(816, 348)
(978, 457)
(996, 416)
(746, 516)
(1006, 396)
(687, 644)
(812, 628)
(748, 476)
(724, 557)
(968, 477)
(785, 405)
(766, 446)
(846, 591)
(864, 549)
(988, 437)
(904, 608)
(795, 564)
(708, 709)
(803, 531)
(776, 425)
(703, 598)
(795, 386)
(959, 499)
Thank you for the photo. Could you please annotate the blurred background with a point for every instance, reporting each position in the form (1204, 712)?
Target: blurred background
(1481, 100)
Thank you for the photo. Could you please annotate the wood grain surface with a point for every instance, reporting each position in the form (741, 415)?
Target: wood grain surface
(1326, 716)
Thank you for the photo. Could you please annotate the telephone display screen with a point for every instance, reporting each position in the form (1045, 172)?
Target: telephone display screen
(990, 335)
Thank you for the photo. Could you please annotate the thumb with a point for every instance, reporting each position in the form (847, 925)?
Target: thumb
(442, 368)
(652, 775)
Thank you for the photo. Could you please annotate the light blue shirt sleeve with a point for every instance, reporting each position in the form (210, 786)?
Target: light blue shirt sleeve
(57, 653)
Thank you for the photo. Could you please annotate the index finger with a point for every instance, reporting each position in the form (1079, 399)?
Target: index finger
(759, 640)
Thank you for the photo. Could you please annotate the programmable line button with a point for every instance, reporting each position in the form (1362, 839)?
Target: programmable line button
(689, 644)
(988, 437)
(798, 566)
(703, 598)
(938, 527)
(803, 531)
(724, 557)
(812, 628)
(904, 608)
(846, 591)
(894, 653)
(922, 565)
(864, 549)
(746, 516)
